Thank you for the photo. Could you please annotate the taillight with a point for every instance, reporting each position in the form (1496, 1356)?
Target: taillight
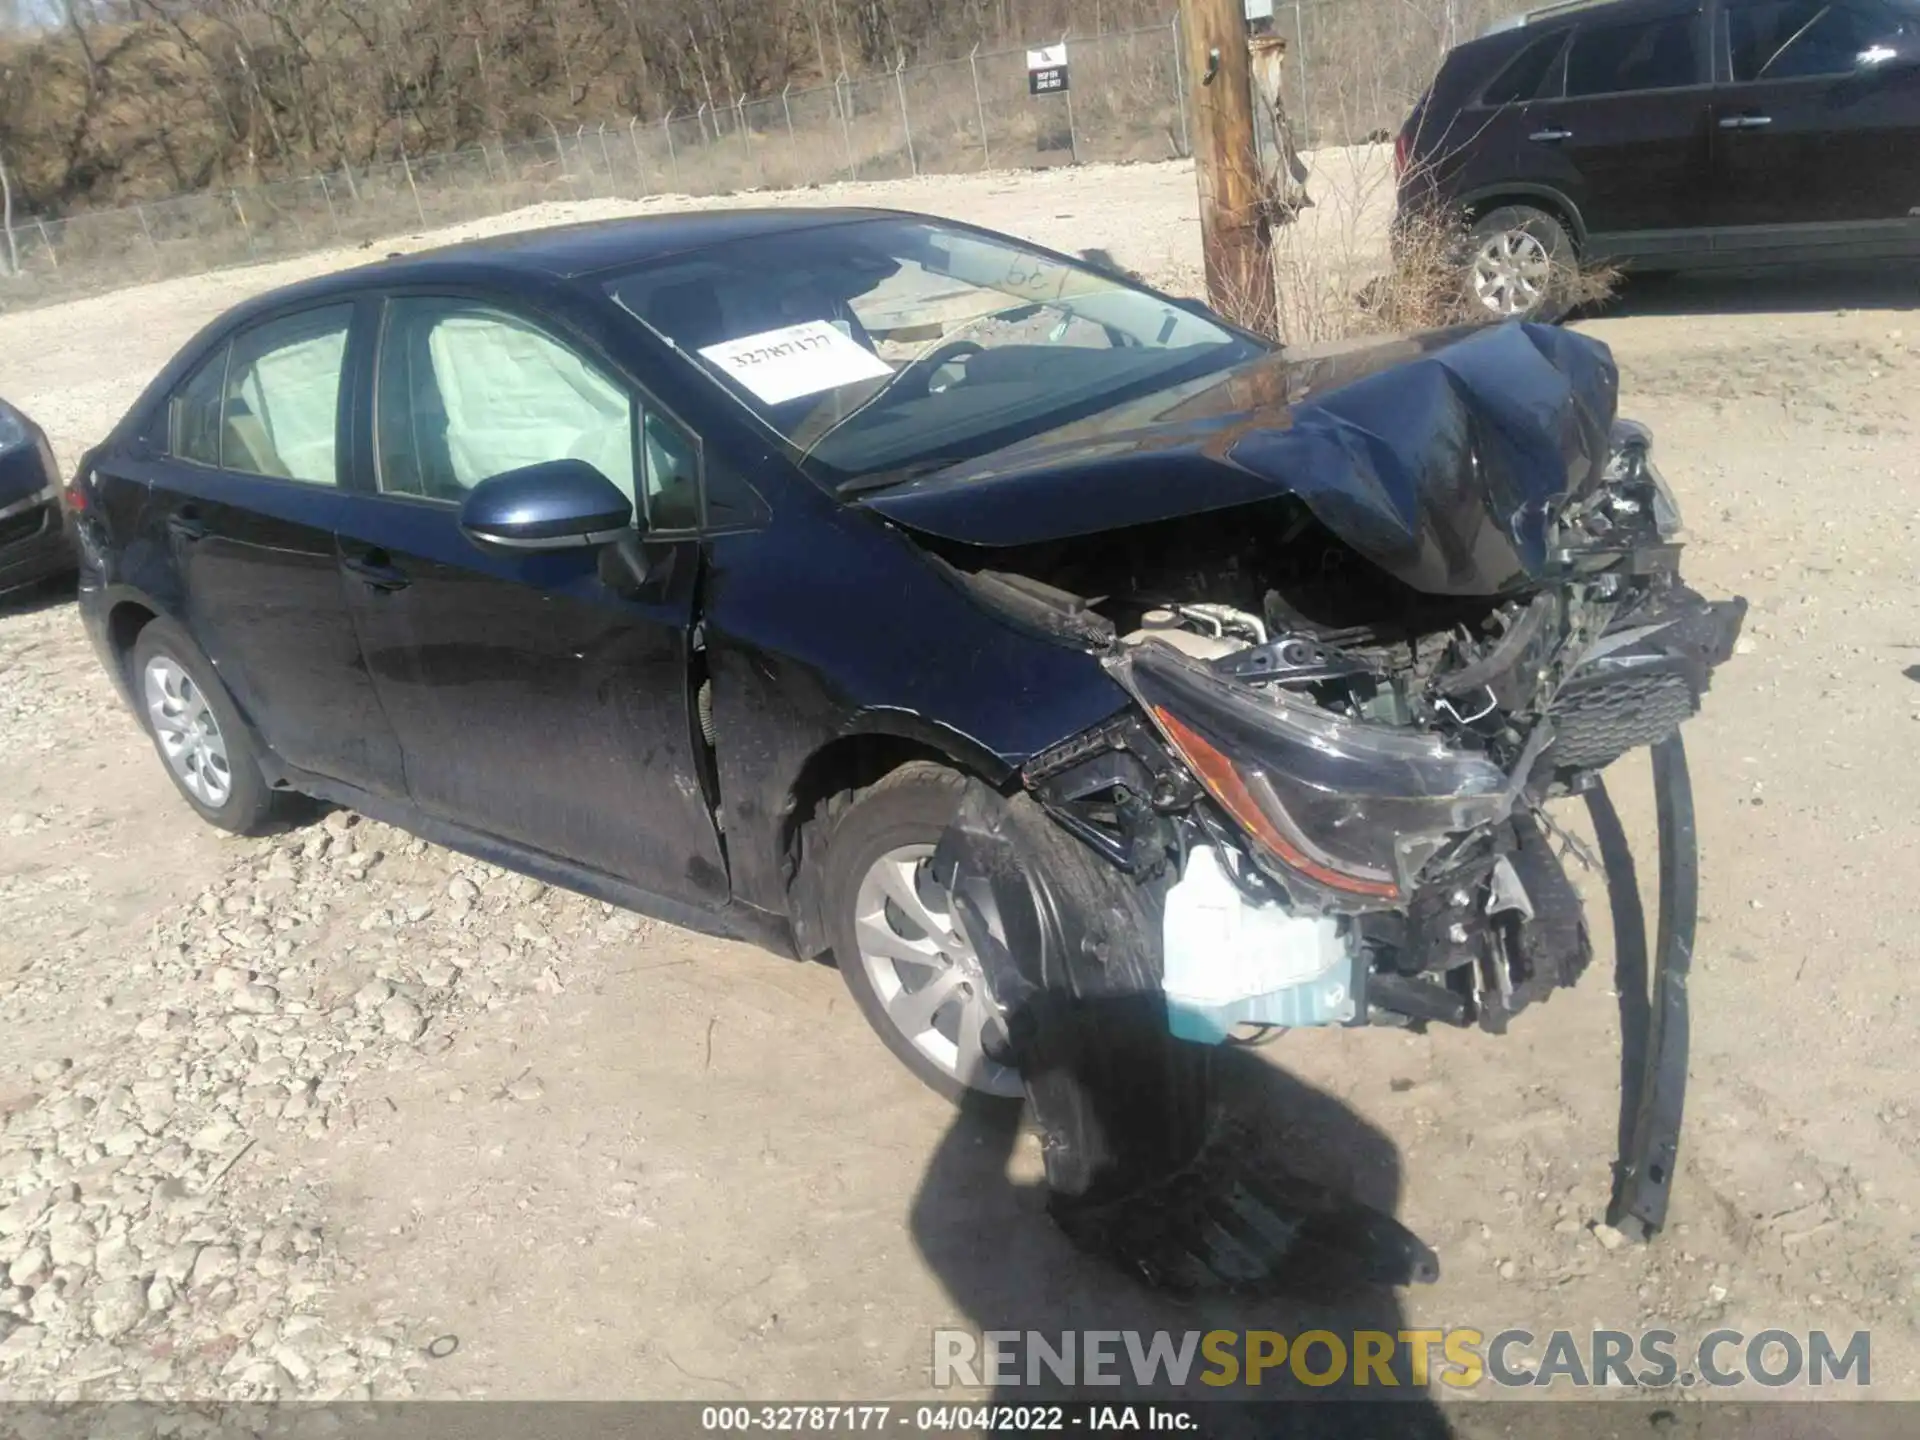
(1401, 146)
(74, 494)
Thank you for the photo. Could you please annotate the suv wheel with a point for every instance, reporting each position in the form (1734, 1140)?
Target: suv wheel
(908, 965)
(1520, 265)
(207, 750)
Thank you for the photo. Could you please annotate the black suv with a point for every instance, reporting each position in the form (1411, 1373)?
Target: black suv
(1663, 135)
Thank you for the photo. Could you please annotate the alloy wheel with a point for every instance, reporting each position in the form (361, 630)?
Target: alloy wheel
(188, 733)
(925, 972)
(1511, 273)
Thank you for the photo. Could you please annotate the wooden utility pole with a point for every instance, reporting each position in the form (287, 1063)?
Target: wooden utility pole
(1234, 226)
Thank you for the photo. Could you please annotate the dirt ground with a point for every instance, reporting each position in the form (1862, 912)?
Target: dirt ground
(341, 1113)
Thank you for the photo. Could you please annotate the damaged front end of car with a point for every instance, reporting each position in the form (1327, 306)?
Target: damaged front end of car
(1352, 717)
(1398, 782)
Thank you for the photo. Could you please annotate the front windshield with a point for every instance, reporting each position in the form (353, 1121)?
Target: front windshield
(883, 348)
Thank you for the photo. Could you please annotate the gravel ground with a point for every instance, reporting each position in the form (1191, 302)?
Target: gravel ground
(338, 1113)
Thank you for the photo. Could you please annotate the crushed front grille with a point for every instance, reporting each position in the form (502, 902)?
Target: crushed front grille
(1597, 722)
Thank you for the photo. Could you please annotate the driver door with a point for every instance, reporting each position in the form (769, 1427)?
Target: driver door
(532, 702)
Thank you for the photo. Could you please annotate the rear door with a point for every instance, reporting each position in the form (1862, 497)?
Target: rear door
(247, 493)
(1816, 123)
(1624, 133)
(533, 701)
(1485, 144)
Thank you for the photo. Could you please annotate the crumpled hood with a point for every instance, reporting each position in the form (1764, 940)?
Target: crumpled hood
(1441, 457)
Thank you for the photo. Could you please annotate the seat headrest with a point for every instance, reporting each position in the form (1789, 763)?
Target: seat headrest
(689, 313)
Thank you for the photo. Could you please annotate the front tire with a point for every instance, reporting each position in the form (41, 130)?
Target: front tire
(206, 748)
(1521, 265)
(908, 966)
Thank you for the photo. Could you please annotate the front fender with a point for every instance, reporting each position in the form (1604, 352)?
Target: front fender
(874, 642)
(963, 750)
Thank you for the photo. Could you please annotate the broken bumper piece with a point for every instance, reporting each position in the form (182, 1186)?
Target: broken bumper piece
(1318, 868)
(1159, 1156)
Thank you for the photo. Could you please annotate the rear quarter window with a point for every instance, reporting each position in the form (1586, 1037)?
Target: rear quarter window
(1525, 76)
(193, 414)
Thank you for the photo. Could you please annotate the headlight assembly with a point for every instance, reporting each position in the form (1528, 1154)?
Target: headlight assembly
(1630, 466)
(1353, 809)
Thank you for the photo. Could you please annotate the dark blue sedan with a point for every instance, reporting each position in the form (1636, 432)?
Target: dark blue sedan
(34, 543)
(1089, 678)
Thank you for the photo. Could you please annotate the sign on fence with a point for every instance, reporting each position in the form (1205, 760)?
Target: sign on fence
(1047, 69)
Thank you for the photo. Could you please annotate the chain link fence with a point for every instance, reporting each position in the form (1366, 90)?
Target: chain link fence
(1353, 70)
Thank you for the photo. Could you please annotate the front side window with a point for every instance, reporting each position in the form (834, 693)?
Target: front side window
(1797, 39)
(1637, 55)
(879, 348)
(269, 402)
(672, 466)
(465, 393)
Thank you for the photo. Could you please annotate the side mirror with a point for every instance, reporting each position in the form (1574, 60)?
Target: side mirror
(558, 505)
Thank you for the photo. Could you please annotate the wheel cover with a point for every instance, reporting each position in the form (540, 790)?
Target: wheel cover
(188, 733)
(924, 970)
(1511, 272)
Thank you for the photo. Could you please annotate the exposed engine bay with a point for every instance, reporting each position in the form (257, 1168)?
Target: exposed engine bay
(1341, 780)
(1376, 609)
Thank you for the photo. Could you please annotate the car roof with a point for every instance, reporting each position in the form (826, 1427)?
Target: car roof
(560, 253)
(569, 251)
(1541, 14)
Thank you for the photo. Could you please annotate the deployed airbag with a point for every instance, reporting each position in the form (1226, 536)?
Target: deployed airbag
(514, 398)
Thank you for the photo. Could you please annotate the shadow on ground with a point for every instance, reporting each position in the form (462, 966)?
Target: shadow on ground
(39, 595)
(1279, 1148)
(1775, 290)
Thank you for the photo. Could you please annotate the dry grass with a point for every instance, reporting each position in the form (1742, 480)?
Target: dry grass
(1344, 266)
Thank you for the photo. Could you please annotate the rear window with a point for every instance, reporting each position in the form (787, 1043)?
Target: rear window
(1658, 54)
(1526, 73)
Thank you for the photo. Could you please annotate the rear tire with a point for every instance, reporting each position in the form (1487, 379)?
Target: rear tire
(1520, 265)
(206, 748)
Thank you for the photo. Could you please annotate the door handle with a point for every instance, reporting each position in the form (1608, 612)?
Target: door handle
(1547, 136)
(375, 573)
(186, 525)
(1744, 122)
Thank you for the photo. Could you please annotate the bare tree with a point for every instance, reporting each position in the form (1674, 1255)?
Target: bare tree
(106, 100)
